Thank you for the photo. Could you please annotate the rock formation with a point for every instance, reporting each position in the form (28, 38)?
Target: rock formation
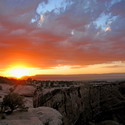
(35, 116)
(86, 104)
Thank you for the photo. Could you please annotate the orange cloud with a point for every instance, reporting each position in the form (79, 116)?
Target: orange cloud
(69, 38)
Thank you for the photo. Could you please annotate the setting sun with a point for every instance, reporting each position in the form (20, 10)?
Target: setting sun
(61, 38)
(20, 71)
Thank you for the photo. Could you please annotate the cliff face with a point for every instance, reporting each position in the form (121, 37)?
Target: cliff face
(86, 104)
(69, 102)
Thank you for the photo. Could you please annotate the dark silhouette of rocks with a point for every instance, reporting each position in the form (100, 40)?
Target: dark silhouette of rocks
(97, 103)
(79, 102)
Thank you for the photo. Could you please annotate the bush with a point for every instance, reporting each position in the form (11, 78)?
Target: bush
(2, 116)
(0, 87)
(12, 101)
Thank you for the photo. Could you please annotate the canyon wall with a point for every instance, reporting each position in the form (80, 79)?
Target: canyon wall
(86, 104)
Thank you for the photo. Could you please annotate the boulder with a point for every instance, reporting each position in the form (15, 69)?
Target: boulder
(35, 116)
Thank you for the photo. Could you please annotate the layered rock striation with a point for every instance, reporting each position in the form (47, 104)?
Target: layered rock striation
(86, 104)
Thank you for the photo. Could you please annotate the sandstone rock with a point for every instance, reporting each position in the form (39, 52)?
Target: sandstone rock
(25, 90)
(35, 116)
(85, 103)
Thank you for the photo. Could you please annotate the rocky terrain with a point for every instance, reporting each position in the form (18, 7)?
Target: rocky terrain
(70, 102)
(35, 116)
(25, 90)
(100, 103)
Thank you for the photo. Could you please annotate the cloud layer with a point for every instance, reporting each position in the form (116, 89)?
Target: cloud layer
(48, 33)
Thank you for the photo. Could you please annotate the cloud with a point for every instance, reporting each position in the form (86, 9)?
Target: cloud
(114, 66)
(48, 33)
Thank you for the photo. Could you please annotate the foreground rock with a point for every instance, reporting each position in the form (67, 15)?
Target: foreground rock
(35, 116)
(91, 104)
(25, 90)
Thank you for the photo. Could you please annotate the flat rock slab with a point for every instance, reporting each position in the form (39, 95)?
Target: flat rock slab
(35, 116)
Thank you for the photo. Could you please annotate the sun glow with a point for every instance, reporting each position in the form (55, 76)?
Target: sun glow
(20, 71)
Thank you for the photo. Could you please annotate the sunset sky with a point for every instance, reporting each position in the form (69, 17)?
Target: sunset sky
(62, 36)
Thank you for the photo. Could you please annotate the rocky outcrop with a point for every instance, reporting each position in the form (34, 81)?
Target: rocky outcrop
(25, 90)
(68, 101)
(86, 104)
(35, 116)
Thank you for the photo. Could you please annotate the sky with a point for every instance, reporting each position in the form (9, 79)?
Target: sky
(62, 36)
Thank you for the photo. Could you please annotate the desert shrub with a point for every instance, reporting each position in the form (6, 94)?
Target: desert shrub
(2, 116)
(12, 101)
(47, 123)
(0, 87)
(11, 89)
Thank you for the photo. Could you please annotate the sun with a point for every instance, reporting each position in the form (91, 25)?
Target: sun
(19, 71)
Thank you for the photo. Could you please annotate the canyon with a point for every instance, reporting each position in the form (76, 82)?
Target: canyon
(87, 104)
(68, 102)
